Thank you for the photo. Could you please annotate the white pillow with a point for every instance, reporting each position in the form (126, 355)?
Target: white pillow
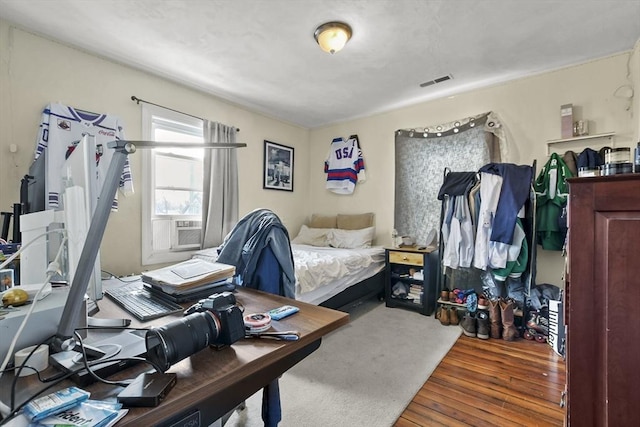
(312, 236)
(351, 239)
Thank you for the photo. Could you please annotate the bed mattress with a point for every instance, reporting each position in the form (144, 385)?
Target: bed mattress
(323, 272)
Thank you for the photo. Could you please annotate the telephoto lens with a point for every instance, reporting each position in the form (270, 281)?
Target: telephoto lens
(170, 343)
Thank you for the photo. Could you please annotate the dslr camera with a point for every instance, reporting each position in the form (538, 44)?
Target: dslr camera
(214, 321)
(226, 312)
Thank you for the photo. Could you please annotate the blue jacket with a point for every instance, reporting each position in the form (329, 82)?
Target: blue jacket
(516, 185)
(244, 246)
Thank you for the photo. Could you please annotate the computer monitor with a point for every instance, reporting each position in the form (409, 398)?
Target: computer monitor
(33, 191)
(79, 200)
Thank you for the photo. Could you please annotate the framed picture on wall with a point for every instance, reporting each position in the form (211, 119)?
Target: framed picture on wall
(278, 166)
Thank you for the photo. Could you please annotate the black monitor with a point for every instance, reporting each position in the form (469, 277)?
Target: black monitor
(33, 191)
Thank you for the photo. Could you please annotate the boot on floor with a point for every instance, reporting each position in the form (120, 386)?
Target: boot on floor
(495, 318)
(453, 316)
(444, 316)
(509, 331)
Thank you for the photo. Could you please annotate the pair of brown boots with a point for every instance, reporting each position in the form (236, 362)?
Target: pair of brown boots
(447, 315)
(501, 315)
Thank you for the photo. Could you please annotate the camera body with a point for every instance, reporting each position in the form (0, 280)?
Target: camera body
(230, 322)
(213, 302)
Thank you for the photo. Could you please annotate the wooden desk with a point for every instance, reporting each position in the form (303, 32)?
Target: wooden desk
(213, 382)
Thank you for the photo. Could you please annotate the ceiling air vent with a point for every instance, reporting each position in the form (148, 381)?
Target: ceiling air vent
(438, 80)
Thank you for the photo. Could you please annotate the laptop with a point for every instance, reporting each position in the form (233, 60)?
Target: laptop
(117, 348)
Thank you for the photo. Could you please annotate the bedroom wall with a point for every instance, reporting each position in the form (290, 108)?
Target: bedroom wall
(35, 71)
(530, 108)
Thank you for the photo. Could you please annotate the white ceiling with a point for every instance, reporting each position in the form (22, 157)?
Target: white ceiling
(261, 54)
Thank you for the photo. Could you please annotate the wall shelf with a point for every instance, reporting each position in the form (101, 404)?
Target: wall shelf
(608, 135)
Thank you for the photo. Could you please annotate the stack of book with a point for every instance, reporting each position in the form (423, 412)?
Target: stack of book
(415, 293)
(190, 279)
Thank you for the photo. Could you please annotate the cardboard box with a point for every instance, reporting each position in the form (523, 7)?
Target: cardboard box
(566, 121)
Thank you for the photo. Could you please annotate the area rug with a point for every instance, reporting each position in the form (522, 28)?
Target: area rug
(363, 374)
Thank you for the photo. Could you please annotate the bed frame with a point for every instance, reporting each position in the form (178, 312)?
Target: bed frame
(368, 288)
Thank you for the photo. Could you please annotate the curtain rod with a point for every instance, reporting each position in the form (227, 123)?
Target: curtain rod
(138, 101)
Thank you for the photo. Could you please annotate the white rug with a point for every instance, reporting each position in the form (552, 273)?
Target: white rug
(363, 374)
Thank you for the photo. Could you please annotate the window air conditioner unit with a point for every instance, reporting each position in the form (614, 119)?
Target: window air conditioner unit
(185, 234)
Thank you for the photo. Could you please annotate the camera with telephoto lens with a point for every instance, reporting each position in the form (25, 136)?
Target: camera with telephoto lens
(214, 321)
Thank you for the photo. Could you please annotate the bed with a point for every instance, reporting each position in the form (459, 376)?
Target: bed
(336, 264)
(335, 277)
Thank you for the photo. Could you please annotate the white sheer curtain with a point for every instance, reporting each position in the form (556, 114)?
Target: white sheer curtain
(220, 189)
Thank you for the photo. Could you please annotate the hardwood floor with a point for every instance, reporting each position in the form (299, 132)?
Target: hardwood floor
(491, 383)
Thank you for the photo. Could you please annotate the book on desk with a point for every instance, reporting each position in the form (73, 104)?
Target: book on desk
(188, 275)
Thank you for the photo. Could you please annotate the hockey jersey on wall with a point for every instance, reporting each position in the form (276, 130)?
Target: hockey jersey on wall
(61, 129)
(344, 165)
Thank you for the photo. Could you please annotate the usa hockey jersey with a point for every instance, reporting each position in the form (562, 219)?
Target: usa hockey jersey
(344, 165)
(61, 129)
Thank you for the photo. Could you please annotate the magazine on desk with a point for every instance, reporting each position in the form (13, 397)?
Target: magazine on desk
(189, 274)
(89, 413)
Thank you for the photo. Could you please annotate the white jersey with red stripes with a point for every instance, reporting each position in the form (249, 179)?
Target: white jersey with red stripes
(344, 165)
(61, 129)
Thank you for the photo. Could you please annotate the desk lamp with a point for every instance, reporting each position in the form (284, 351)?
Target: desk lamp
(64, 339)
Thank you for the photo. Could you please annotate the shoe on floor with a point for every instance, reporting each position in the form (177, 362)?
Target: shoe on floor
(483, 325)
(483, 304)
(468, 325)
(444, 316)
(453, 316)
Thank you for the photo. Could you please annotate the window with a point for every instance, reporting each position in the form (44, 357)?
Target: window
(171, 187)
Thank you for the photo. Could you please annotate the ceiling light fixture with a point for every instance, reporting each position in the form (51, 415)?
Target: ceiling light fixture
(332, 36)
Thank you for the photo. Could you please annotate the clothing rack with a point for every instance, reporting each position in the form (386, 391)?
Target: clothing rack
(528, 277)
(138, 101)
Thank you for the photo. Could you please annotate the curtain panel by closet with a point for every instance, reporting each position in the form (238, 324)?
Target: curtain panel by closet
(422, 154)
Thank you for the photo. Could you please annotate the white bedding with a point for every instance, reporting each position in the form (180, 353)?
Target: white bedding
(323, 272)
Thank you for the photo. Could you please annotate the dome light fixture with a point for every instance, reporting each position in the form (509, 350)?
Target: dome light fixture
(332, 36)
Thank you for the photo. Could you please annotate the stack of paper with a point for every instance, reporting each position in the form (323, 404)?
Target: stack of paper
(188, 275)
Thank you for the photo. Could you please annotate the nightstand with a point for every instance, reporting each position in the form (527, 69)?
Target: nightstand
(404, 285)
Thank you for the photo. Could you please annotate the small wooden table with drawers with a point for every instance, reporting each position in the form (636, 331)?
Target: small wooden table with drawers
(411, 278)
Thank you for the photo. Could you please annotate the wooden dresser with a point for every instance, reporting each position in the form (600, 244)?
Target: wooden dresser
(602, 310)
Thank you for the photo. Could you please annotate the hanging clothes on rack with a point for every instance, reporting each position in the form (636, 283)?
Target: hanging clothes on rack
(516, 181)
(457, 228)
(490, 187)
(499, 200)
(474, 204)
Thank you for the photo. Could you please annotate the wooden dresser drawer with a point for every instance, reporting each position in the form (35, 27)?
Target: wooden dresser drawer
(409, 258)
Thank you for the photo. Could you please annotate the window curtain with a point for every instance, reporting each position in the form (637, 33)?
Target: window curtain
(220, 186)
(422, 154)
